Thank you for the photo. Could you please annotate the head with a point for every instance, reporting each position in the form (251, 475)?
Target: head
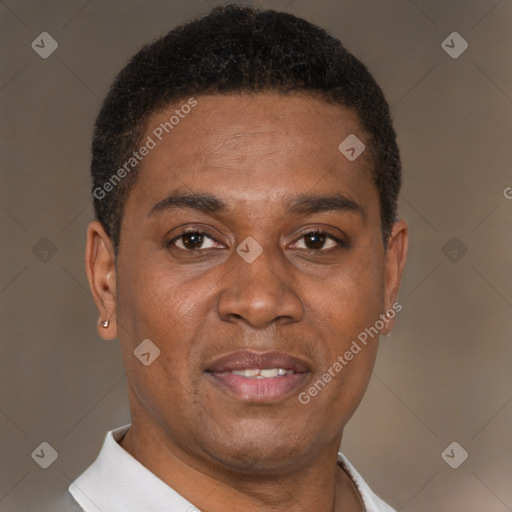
(228, 220)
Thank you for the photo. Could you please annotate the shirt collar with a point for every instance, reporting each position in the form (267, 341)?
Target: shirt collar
(117, 482)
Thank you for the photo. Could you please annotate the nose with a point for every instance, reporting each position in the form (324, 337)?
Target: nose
(260, 293)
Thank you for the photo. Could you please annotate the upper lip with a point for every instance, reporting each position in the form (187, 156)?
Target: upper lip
(245, 360)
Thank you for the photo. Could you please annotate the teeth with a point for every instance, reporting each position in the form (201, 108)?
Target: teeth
(269, 373)
(246, 373)
(266, 373)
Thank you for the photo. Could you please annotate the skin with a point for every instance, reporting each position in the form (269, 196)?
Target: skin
(256, 153)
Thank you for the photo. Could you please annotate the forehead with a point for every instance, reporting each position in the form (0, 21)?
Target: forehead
(253, 145)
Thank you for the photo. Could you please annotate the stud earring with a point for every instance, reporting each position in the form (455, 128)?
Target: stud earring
(104, 324)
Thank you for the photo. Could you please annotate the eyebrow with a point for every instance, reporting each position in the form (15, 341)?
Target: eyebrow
(307, 205)
(302, 205)
(205, 203)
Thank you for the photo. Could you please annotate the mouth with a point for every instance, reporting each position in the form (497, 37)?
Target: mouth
(258, 377)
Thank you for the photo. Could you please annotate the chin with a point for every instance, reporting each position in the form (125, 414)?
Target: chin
(251, 453)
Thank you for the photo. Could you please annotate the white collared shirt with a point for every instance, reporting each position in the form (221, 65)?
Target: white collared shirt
(117, 482)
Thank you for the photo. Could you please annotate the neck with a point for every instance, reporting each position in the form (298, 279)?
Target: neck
(318, 484)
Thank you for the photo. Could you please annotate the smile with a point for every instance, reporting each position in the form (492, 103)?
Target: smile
(258, 373)
(258, 377)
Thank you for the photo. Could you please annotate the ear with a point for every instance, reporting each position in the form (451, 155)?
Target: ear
(100, 266)
(395, 258)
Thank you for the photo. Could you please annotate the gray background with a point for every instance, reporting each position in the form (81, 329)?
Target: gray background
(444, 373)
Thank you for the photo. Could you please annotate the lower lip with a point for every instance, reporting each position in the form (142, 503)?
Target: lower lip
(259, 390)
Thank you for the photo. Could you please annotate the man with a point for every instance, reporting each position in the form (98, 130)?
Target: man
(247, 255)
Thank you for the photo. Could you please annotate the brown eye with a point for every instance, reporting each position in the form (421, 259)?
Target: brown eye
(316, 241)
(193, 240)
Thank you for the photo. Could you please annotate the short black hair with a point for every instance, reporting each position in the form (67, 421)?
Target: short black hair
(236, 49)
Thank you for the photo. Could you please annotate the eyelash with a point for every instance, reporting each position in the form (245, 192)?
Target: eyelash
(341, 243)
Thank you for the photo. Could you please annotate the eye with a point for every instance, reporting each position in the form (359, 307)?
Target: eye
(192, 240)
(317, 240)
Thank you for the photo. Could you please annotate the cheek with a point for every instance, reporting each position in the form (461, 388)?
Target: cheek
(156, 301)
(346, 307)
(170, 309)
(353, 297)
(158, 305)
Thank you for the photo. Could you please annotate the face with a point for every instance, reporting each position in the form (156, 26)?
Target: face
(249, 242)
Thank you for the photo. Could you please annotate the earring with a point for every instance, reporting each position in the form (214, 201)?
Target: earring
(104, 324)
